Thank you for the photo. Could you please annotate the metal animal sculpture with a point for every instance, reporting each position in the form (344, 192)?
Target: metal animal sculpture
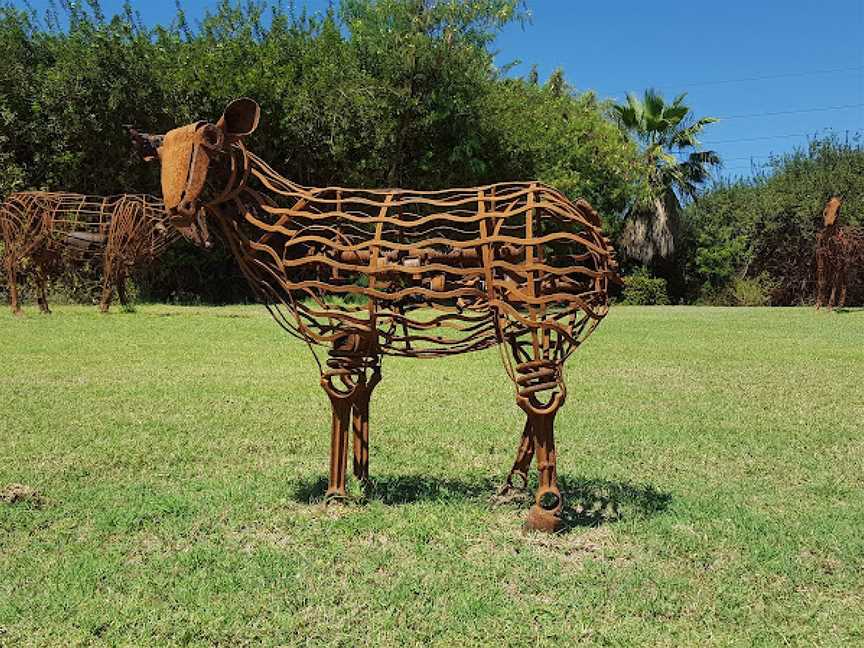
(399, 272)
(838, 248)
(44, 232)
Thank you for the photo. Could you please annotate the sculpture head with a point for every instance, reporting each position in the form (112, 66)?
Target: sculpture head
(185, 155)
(832, 210)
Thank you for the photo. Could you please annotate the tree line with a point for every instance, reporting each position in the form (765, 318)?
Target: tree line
(371, 93)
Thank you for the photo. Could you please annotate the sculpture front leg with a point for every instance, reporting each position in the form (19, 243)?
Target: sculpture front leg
(107, 294)
(360, 422)
(340, 403)
(820, 280)
(121, 290)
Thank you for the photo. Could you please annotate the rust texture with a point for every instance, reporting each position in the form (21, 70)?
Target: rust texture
(838, 248)
(372, 272)
(45, 232)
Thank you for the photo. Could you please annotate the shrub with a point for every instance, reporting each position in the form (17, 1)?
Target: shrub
(641, 289)
(752, 291)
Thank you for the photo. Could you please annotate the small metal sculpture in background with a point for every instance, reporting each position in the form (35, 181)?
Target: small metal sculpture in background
(45, 232)
(838, 248)
(422, 274)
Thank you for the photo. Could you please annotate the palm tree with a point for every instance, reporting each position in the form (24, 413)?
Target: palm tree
(665, 132)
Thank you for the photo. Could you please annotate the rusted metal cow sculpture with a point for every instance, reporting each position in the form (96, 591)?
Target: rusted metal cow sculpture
(437, 273)
(838, 248)
(46, 231)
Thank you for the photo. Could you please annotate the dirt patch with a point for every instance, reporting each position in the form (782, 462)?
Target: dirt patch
(572, 550)
(14, 493)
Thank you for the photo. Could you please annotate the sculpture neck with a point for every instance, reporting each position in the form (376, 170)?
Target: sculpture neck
(232, 176)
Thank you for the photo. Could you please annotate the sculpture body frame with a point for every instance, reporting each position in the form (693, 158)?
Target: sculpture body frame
(425, 274)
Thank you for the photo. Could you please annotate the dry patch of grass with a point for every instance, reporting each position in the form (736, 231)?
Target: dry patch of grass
(21, 493)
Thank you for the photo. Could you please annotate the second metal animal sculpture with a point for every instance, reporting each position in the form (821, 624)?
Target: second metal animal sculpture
(838, 248)
(46, 231)
(438, 273)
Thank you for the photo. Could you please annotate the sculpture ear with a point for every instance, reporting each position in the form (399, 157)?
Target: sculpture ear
(240, 118)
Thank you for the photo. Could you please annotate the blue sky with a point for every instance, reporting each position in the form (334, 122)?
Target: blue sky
(736, 60)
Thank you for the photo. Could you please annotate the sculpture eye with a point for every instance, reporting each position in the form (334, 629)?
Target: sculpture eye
(211, 137)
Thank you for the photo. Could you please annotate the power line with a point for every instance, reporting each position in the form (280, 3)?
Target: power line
(767, 77)
(794, 112)
(746, 157)
(756, 139)
(778, 76)
(743, 157)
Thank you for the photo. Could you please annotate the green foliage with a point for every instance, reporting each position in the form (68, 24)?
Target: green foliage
(563, 139)
(767, 227)
(740, 291)
(386, 92)
(641, 289)
(664, 130)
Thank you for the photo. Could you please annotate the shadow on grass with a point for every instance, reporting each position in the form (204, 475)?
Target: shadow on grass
(849, 311)
(403, 489)
(592, 502)
(587, 502)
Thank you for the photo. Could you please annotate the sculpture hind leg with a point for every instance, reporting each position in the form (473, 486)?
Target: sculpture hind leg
(540, 394)
(113, 278)
(820, 279)
(844, 284)
(536, 378)
(524, 457)
(340, 403)
(833, 292)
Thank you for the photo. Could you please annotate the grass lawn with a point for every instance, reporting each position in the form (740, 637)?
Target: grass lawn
(713, 460)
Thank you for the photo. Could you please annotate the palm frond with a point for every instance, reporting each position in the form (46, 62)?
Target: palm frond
(663, 129)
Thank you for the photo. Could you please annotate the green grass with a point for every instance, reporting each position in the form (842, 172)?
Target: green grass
(179, 454)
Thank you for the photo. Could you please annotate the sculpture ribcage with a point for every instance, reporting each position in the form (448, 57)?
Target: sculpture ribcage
(48, 231)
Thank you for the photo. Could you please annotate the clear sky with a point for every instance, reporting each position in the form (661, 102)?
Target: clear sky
(800, 61)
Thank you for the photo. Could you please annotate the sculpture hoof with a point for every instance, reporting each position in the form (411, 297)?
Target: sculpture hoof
(539, 519)
(334, 496)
